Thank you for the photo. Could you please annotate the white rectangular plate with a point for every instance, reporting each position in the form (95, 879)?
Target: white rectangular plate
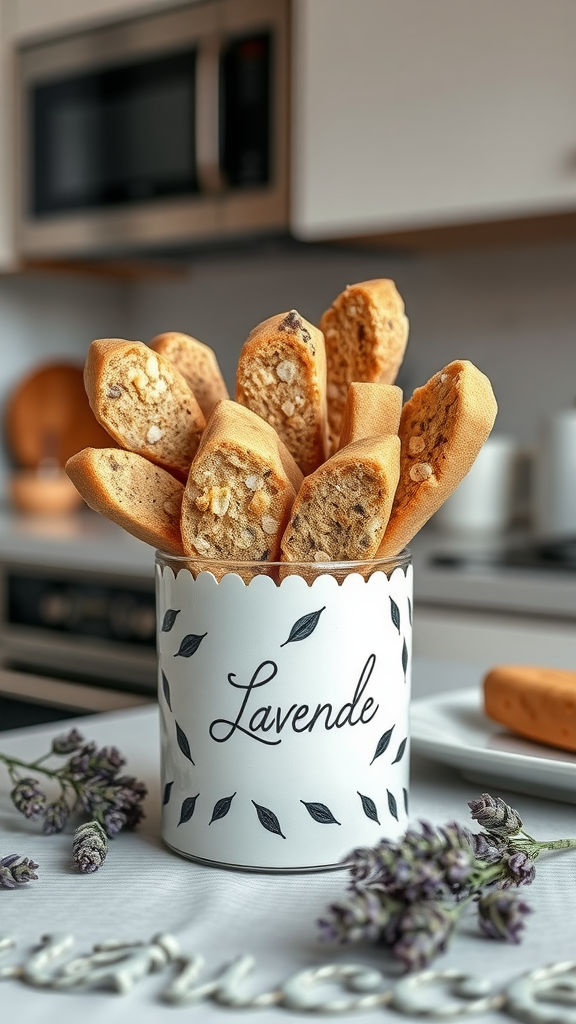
(452, 728)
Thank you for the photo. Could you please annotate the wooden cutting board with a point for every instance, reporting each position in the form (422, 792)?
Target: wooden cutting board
(48, 417)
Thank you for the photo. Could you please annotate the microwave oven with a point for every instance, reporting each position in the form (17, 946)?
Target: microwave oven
(157, 133)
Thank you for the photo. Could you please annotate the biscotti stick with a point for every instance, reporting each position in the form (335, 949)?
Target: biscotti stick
(341, 510)
(539, 703)
(129, 490)
(442, 429)
(366, 332)
(240, 489)
(143, 402)
(197, 364)
(371, 410)
(281, 376)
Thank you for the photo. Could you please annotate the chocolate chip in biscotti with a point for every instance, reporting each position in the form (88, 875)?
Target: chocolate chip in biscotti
(143, 402)
(371, 409)
(281, 376)
(366, 332)
(341, 510)
(442, 429)
(241, 487)
(198, 365)
(141, 497)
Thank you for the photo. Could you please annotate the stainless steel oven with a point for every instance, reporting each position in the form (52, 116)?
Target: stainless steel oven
(154, 133)
(73, 641)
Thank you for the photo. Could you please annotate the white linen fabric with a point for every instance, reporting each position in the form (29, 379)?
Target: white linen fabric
(144, 889)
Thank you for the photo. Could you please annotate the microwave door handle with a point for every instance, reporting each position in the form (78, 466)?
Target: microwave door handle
(210, 178)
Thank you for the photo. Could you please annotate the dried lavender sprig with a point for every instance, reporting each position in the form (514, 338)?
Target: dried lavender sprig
(16, 870)
(89, 847)
(409, 894)
(89, 782)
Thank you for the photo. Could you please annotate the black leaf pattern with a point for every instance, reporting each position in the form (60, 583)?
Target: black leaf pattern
(183, 742)
(392, 807)
(268, 819)
(383, 743)
(369, 807)
(320, 813)
(303, 627)
(405, 792)
(189, 645)
(167, 792)
(401, 750)
(410, 610)
(221, 808)
(166, 691)
(395, 613)
(187, 809)
(169, 619)
(404, 658)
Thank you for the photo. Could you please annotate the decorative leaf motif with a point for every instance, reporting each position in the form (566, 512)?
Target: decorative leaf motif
(395, 613)
(166, 691)
(182, 740)
(383, 743)
(221, 808)
(169, 619)
(401, 750)
(268, 819)
(320, 813)
(167, 792)
(405, 792)
(369, 807)
(187, 809)
(189, 645)
(303, 627)
(392, 807)
(404, 659)
(410, 610)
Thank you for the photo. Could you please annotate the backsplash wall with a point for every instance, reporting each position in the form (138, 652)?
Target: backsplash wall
(511, 311)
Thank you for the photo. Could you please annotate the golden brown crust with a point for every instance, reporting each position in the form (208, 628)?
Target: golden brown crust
(442, 429)
(366, 332)
(143, 402)
(141, 497)
(539, 703)
(281, 376)
(198, 365)
(371, 410)
(341, 510)
(240, 489)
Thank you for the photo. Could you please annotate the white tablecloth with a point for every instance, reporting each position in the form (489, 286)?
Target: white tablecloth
(144, 889)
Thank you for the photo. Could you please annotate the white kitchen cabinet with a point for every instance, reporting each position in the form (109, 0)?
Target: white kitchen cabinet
(418, 113)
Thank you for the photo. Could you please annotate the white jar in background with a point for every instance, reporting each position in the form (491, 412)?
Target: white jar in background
(483, 501)
(554, 504)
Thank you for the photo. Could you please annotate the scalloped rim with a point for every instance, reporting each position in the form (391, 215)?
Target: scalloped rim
(292, 581)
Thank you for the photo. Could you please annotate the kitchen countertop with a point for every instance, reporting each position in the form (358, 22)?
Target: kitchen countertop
(143, 890)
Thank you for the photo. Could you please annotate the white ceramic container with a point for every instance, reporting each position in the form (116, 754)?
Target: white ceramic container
(284, 710)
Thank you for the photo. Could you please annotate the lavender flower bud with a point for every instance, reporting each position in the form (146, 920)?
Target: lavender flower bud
(55, 817)
(485, 849)
(364, 917)
(28, 798)
(89, 847)
(458, 866)
(501, 915)
(79, 766)
(424, 930)
(67, 742)
(107, 761)
(16, 870)
(520, 869)
(495, 815)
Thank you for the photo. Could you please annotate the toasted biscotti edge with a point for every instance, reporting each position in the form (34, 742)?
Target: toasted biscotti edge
(430, 473)
(281, 376)
(371, 409)
(198, 365)
(166, 433)
(539, 703)
(151, 513)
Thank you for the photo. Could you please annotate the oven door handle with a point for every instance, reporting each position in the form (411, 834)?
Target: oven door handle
(210, 177)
